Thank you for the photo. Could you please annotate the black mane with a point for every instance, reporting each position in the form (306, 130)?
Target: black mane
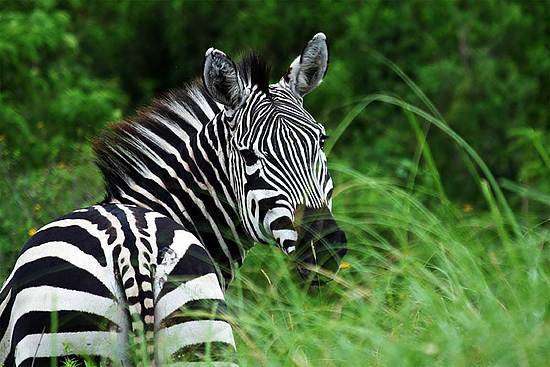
(255, 71)
(120, 146)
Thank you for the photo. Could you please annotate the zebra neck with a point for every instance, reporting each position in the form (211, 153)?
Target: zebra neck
(172, 158)
(187, 180)
(219, 228)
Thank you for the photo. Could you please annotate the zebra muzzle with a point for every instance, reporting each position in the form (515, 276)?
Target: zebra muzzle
(321, 244)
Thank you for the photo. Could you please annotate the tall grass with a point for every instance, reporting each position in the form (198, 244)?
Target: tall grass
(440, 286)
(426, 282)
(424, 287)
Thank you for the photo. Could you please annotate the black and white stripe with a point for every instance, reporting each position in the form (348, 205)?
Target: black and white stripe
(192, 182)
(107, 273)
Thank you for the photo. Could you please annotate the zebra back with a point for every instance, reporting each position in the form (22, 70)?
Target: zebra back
(99, 278)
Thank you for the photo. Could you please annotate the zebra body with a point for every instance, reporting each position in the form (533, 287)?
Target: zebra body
(192, 182)
(115, 274)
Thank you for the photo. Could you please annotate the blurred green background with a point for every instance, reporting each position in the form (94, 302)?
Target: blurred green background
(68, 68)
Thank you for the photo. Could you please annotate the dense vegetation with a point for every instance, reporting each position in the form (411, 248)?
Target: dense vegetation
(438, 115)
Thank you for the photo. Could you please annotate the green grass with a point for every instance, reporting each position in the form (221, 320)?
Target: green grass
(429, 282)
(425, 287)
(31, 199)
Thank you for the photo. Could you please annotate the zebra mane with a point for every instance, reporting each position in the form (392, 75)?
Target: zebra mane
(255, 71)
(122, 148)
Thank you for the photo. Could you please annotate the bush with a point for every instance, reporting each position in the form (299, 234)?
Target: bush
(48, 102)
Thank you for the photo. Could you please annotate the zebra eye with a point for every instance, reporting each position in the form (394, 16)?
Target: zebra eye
(250, 158)
(322, 141)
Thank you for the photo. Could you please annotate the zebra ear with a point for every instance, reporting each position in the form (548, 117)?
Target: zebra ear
(307, 71)
(222, 80)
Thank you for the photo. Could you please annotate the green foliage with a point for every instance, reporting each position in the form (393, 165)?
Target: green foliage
(438, 116)
(48, 100)
(425, 287)
(69, 67)
(35, 198)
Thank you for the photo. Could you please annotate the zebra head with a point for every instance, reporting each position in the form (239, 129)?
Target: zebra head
(275, 159)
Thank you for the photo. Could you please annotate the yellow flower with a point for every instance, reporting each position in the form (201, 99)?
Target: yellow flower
(32, 231)
(467, 208)
(345, 265)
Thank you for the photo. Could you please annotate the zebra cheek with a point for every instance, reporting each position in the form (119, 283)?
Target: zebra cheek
(251, 214)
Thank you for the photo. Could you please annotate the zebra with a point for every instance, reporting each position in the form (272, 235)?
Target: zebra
(192, 183)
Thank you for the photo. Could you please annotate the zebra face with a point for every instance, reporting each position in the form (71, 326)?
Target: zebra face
(275, 159)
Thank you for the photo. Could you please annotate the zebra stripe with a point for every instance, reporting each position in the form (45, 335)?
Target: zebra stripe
(97, 343)
(149, 269)
(192, 182)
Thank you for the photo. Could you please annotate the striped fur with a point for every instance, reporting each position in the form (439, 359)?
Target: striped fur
(192, 182)
(119, 271)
